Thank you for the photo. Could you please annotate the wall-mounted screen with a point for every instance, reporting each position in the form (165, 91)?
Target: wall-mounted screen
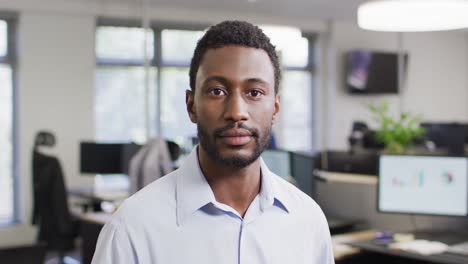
(369, 72)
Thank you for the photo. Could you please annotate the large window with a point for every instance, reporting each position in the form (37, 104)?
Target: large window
(120, 82)
(7, 151)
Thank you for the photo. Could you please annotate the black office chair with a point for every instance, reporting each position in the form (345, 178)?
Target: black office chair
(363, 137)
(89, 233)
(174, 150)
(26, 254)
(358, 131)
(57, 228)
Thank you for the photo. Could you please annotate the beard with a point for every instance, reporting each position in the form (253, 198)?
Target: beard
(208, 143)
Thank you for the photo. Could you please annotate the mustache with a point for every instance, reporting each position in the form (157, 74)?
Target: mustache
(218, 132)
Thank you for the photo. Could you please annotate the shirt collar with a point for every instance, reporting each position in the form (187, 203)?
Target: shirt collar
(193, 191)
(271, 192)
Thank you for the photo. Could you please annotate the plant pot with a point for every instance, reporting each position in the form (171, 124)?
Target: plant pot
(395, 148)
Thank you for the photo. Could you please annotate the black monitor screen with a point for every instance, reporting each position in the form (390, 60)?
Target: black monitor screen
(372, 72)
(450, 136)
(349, 162)
(101, 158)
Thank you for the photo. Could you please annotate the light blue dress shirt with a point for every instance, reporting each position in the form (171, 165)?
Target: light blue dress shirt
(177, 220)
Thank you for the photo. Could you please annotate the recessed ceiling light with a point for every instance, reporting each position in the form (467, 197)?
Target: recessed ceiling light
(413, 15)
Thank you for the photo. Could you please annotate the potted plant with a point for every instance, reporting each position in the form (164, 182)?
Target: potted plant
(396, 134)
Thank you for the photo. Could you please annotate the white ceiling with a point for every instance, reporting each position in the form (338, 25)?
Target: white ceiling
(314, 9)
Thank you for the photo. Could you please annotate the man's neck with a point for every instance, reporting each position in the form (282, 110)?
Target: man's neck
(236, 187)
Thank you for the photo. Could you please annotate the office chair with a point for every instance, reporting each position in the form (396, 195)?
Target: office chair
(174, 150)
(151, 162)
(358, 131)
(57, 228)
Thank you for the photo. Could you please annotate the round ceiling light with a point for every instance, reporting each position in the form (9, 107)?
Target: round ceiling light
(413, 15)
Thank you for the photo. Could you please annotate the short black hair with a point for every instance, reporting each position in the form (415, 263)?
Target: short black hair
(233, 33)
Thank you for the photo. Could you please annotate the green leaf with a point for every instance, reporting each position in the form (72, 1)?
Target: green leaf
(395, 133)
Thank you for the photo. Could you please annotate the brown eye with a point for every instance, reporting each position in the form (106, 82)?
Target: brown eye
(217, 91)
(255, 93)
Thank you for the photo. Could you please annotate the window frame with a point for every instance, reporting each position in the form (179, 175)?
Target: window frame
(310, 68)
(10, 58)
(10, 19)
(156, 61)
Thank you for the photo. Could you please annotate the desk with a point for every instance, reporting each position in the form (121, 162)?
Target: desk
(94, 198)
(444, 258)
(329, 176)
(340, 248)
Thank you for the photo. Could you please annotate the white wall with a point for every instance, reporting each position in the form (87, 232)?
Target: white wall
(437, 85)
(438, 82)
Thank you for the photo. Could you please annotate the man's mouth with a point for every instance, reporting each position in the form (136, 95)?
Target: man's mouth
(236, 137)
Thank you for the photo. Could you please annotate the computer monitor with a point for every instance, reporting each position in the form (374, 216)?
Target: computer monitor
(278, 161)
(450, 136)
(302, 167)
(350, 162)
(101, 158)
(106, 158)
(431, 185)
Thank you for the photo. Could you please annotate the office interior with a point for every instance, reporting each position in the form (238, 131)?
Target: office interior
(55, 88)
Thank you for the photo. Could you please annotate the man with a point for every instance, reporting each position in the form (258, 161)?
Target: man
(223, 205)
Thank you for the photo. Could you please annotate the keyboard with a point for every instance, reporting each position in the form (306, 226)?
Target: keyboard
(460, 248)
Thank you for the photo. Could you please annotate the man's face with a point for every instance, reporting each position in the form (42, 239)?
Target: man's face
(234, 104)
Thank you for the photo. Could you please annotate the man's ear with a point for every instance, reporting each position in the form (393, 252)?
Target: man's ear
(190, 103)
(277, 109)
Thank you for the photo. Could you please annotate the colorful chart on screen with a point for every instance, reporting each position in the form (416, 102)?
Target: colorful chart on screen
(423, 185)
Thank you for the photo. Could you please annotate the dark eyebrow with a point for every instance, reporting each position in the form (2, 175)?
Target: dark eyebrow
(258, 80)
(215, 78)
(225, 81)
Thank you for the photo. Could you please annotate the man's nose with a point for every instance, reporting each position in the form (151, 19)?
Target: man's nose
(236, 109)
